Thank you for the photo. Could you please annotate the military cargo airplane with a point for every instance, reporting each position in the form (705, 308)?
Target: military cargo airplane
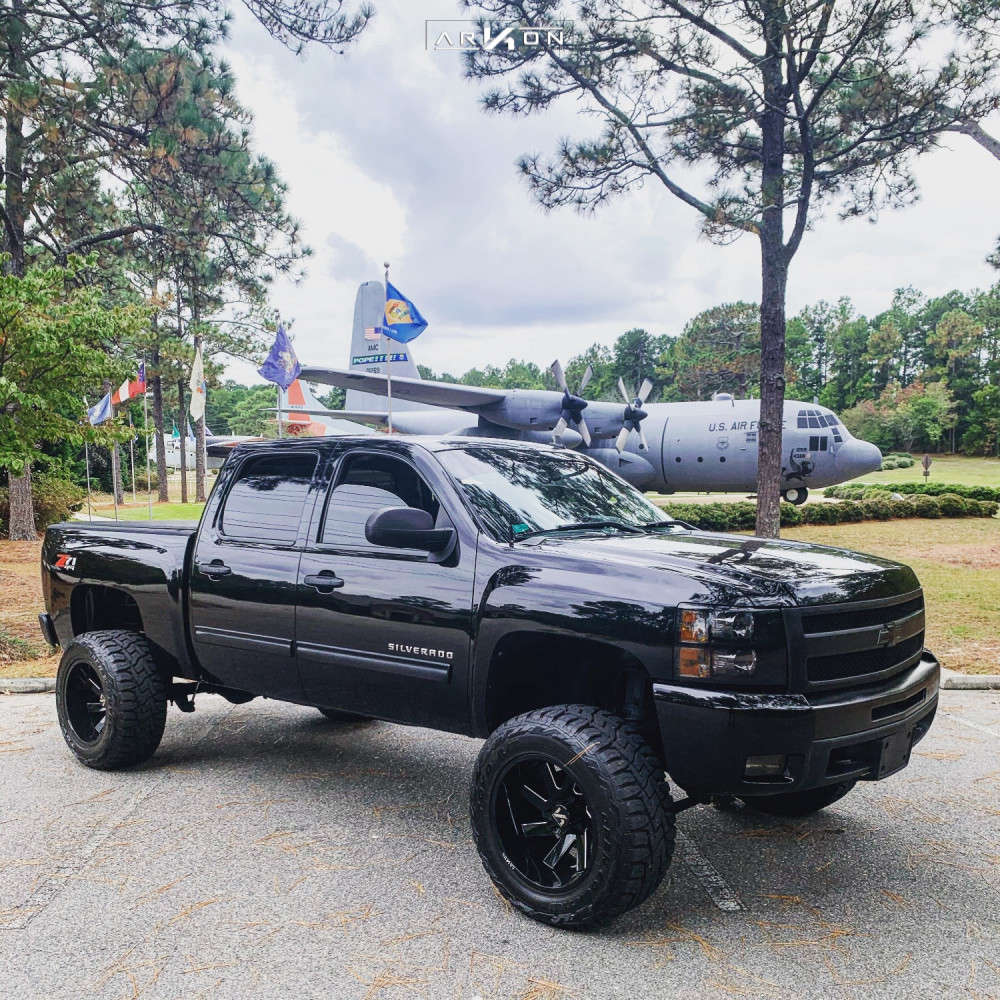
(667, 447)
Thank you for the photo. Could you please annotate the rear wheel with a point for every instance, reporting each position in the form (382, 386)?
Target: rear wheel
(111, 699)
(571, 815)
(800, 803)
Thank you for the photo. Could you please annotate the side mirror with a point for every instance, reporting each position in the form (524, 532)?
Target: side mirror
(407, 528)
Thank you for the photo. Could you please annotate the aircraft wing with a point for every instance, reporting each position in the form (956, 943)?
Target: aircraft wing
(447, 394)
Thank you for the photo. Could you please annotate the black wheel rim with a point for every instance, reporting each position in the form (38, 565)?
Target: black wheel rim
(544, 824)
(86, 705)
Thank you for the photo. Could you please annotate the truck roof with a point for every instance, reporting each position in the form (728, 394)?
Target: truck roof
(431, 442)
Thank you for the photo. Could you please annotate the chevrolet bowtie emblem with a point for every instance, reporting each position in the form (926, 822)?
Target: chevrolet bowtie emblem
(887, 635)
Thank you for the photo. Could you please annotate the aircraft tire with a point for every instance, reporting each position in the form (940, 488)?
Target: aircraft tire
(796, 495)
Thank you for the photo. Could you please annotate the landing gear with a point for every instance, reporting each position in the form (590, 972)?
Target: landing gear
(796, 495)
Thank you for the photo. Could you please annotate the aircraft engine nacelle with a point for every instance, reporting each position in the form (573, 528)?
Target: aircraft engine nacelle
(633, 468)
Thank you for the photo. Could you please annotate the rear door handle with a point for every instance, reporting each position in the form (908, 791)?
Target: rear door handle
(213, 569)
(326, 580)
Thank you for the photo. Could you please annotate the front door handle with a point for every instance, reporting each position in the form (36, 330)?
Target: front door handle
(214, 569)
(325, 581)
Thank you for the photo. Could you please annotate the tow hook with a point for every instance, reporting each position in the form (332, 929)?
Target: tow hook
(182, 695)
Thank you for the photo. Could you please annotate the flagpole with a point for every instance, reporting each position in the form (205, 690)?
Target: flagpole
(131, 455)
(278, 387)
(388, 357)
(86, 458)
(145, 431)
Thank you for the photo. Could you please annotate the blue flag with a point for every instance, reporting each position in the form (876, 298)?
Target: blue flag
(101, 411)
(282, 366)
(403, 321)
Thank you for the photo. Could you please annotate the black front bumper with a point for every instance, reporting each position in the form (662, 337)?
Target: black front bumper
(863, 734)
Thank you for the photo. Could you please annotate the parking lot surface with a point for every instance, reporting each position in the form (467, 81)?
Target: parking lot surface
(265, 852)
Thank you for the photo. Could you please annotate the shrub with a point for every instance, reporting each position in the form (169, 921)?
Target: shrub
(988, 508)
(790, 515)
(925, 506)
(851, 510)
(951, 505)
(54, 499)
(902, 508)
(877, 509)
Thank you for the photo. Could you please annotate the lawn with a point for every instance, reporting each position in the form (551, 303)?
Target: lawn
(944, 469)
(161, 512)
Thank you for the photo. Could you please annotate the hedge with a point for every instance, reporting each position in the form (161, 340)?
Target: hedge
(54, 500)
(857, 491)
(897, 461)
(740, 516)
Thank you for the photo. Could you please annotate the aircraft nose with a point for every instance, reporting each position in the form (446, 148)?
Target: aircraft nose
(855, 458)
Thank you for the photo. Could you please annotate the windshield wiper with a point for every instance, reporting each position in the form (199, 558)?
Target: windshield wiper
(581, 526)
(657, 525)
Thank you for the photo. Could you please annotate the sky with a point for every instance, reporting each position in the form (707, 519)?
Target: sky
(389, 156)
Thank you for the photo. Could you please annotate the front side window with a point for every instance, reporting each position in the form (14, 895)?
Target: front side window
(368, 483)
(517, 492)
(265, 503)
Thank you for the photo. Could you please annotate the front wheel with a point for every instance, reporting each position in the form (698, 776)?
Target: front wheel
(571, 815)
(111, 699)
(796, 496)
(803, 803)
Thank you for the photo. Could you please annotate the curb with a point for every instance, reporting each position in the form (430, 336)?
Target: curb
(952, 681)
(27, 685)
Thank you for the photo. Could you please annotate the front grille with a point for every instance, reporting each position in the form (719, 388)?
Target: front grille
(853, 645)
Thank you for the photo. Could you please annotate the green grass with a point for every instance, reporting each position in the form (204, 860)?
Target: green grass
(958, 564)
(161, 512)
(944, 469)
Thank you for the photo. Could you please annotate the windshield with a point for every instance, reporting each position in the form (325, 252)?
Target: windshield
(517, 491)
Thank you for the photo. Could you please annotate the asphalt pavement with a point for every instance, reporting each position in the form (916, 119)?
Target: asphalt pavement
(265, 852)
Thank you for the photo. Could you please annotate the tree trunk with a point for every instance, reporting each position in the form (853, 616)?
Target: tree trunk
(182, 417)
(22, 512)
(774, 278)
(162, 488)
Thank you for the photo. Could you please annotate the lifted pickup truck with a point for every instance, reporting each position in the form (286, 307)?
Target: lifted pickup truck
(509, 591)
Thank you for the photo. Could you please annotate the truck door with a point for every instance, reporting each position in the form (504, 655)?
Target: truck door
(244, 573)
(383, 631)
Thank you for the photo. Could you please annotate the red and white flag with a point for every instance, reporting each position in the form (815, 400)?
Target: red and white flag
(130, 389)
(372, 333)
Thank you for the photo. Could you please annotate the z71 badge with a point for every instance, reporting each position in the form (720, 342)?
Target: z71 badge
(66, 562)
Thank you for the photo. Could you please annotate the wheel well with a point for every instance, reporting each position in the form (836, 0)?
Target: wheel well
(93, 607)
(530, 671)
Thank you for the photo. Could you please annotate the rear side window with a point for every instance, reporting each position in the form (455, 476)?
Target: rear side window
(265, 504)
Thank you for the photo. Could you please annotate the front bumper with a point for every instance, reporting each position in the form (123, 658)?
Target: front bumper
(864, 734)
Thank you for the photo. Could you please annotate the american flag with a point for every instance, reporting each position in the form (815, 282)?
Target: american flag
(372, 333)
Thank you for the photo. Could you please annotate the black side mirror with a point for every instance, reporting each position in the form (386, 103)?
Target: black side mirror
(407, 528)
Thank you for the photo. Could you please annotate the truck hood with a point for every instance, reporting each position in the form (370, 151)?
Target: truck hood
(761, 571)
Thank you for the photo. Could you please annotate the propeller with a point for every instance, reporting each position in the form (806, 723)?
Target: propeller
(571, 412)
(634, 414)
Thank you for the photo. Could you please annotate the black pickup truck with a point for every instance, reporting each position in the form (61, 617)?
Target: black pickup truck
(509, 591)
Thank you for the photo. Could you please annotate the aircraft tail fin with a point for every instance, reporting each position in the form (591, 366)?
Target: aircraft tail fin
(368, 354)
(302, 413)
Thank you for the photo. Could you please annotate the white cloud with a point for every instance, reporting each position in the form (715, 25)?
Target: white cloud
(387, 155)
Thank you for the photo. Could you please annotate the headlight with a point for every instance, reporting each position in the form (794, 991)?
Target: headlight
(702, 663)
(715, 626)
(731, 646)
